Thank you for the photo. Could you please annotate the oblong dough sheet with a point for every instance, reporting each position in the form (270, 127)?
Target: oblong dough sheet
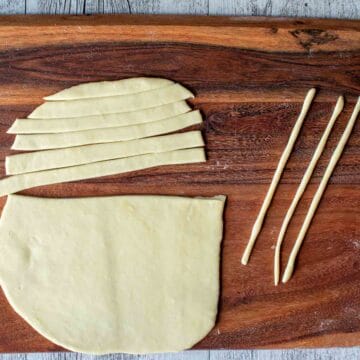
(59, 158)
(109, 88)
(112, 104)
(38, 126)
(13, 184)
(134, 274)
(95, 136)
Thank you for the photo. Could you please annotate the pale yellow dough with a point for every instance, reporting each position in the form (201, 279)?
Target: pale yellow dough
(112, 104)
(320, 191)
(13, 184)
(277, 176)
(59, 158)
(109, 88)
(38, 126)
(77, 138)
(302, 186)
(134, 274)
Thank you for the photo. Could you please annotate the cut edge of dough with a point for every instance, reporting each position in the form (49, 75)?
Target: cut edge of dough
(20, 125)
(25, 162)
(34, 142)
(40, 329)
(15, 183)
(48, 108)
(65, 94)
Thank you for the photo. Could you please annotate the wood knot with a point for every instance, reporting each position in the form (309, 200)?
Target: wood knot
(309, 37)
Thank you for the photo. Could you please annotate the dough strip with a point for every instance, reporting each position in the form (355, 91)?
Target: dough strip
(59, 158)
(276, 178)
(319, 192)
(38, 126)
(17, 183)
(112, 104)
(304, 182)
(95, 136)
(109, 88)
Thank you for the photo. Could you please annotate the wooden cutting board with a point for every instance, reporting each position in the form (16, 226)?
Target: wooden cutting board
(250, 76)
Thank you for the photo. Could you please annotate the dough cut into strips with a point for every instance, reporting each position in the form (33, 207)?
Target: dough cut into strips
(13, 184)
(276, 178)
(109, 88)
(59, 158)
(319, 193)
(303, 184)
(38, 126)
(111, 104)
(95, 136)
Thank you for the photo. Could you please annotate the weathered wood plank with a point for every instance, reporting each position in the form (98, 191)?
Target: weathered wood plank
(186, 355)
(9, 7)
(304, 8)
(196, 7)
(308, 354)
(107, 7)
(148, 7)
(55, 6)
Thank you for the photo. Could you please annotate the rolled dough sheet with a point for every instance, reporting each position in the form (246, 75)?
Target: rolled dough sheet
(59, 158)
(13, 184)
(109, 88)
(77, 138)
(134, 274)
(37, 126)
(112, 104)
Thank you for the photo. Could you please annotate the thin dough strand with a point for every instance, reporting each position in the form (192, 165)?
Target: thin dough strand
(276, 178)
(319, 192)
(304, 182)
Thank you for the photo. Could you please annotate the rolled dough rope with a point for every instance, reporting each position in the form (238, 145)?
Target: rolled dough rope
(276, 178)
(59, 158)
(304, 182)
(111, 104)
(17, 183)
(38, 126)
(95, 136)
(109, 88)
(319, 192)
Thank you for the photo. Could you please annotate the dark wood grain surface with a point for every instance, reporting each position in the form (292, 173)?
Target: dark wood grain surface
(250, 77)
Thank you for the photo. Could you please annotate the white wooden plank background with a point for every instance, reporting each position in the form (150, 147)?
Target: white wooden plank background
(309, 8)
(349, 9)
